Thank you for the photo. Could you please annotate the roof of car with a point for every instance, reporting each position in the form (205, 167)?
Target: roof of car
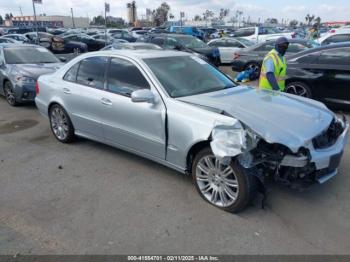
(17, 45)
(139, 54)
(321, 48)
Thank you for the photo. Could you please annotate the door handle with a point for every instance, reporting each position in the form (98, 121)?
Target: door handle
(106, 101)
(66, 90)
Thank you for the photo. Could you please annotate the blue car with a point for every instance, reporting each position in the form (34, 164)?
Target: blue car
(187, 30)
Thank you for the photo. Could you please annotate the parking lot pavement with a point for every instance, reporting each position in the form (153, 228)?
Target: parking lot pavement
(88, 198)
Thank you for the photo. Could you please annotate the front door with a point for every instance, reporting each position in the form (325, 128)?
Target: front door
(137, 126)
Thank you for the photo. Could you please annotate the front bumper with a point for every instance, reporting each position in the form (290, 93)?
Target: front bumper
(25, 92)
(327, 160)
(324, 163)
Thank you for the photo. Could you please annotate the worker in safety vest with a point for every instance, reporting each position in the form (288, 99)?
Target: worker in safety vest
(274, 67)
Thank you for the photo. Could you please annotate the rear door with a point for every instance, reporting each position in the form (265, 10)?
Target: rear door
(82, 94)
(137, 126)
(335, 82)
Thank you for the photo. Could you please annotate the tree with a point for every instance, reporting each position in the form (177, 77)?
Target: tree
(11, 15)
(1, 20)
(98, 20)
(271, 21)
(197, 18)
(7, 17)
(223, 13)
(160, 15)
(293, 23)
(309, 18)
(318, 20)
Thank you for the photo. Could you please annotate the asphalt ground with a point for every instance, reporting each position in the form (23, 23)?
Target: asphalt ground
(89, 198)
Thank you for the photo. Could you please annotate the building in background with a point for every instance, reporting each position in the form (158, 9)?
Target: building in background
(48, 21)
(131, 12)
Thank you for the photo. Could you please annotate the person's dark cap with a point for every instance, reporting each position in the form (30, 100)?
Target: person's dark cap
(282, 41)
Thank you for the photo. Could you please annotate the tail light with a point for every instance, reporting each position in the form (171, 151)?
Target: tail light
(236, 56)
(294, 35)
(37, 88)
(332, 31)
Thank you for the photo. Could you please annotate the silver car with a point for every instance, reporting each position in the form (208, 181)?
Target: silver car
(176, 109)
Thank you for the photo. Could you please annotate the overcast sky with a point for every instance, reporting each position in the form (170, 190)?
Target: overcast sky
(329, 10)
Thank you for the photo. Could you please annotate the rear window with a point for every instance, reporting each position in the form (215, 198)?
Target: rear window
(28, 55)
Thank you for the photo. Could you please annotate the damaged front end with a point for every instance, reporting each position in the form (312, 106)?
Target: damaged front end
(314, 162)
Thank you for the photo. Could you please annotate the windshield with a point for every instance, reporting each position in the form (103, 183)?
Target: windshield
(192, 42)
(29, 55)
(146, 47)
(245, 41)
(187, 75)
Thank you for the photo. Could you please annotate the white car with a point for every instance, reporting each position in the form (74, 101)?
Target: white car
(335, 36)
(228, 46)
(262, 34)
(18, 37)
(138, 33)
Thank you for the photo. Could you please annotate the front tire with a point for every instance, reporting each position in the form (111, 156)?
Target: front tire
(61, 125)
(10, 94)
(228, 187)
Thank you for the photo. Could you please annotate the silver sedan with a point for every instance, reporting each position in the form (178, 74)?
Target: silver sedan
(178, 110)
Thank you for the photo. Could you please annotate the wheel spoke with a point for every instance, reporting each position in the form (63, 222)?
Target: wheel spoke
(207, 188)
(230, 182)
(223, 197)
(209, 162)
(203, 168)
(228, 171)
(229, 192)
(214, 196)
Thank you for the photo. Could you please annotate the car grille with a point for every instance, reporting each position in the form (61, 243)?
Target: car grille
(329, 136)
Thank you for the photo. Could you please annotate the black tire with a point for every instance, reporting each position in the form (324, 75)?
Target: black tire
(10, 94)
(247, 183)
(299, 89)
(257, 69)
(70, 136)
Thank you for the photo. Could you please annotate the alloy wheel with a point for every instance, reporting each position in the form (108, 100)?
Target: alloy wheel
(216, 181)
(298, 90)
(59, 123)
(9, 94)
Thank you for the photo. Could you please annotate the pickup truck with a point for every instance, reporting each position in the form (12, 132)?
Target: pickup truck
(262, 34)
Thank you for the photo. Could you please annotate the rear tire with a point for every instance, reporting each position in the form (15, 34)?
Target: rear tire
(230, 189)
(61, 125)
(299, 89)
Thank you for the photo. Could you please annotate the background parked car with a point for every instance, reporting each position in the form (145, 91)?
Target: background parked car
(132, 46)
(138, 33)
(187, 43)
(125, 35)
(252, 57)
(21, 65)
(262, 34)
(321, 73)
(18, 37)
(228, 46)
(92, 44)
(338, 36)
(188, 30)
(60, 45)
(8, 40)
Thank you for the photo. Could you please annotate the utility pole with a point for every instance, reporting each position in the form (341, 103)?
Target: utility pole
(20, 9)
(35, 23)
(73, 23)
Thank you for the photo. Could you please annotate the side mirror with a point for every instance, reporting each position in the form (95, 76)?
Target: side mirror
(63, 59)
(143, 96)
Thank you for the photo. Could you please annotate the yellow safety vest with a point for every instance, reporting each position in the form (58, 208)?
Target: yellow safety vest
(280, 71)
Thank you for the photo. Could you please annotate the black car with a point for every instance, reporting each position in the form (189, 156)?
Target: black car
(321, 73)
(92, 44)
(122, 34)
(186, 43)
(252, 57)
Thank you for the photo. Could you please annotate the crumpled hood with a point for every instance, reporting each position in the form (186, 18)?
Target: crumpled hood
(35, 70)
(277, 117)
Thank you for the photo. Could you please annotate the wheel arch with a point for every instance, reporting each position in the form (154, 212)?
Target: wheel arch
(192, 152)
